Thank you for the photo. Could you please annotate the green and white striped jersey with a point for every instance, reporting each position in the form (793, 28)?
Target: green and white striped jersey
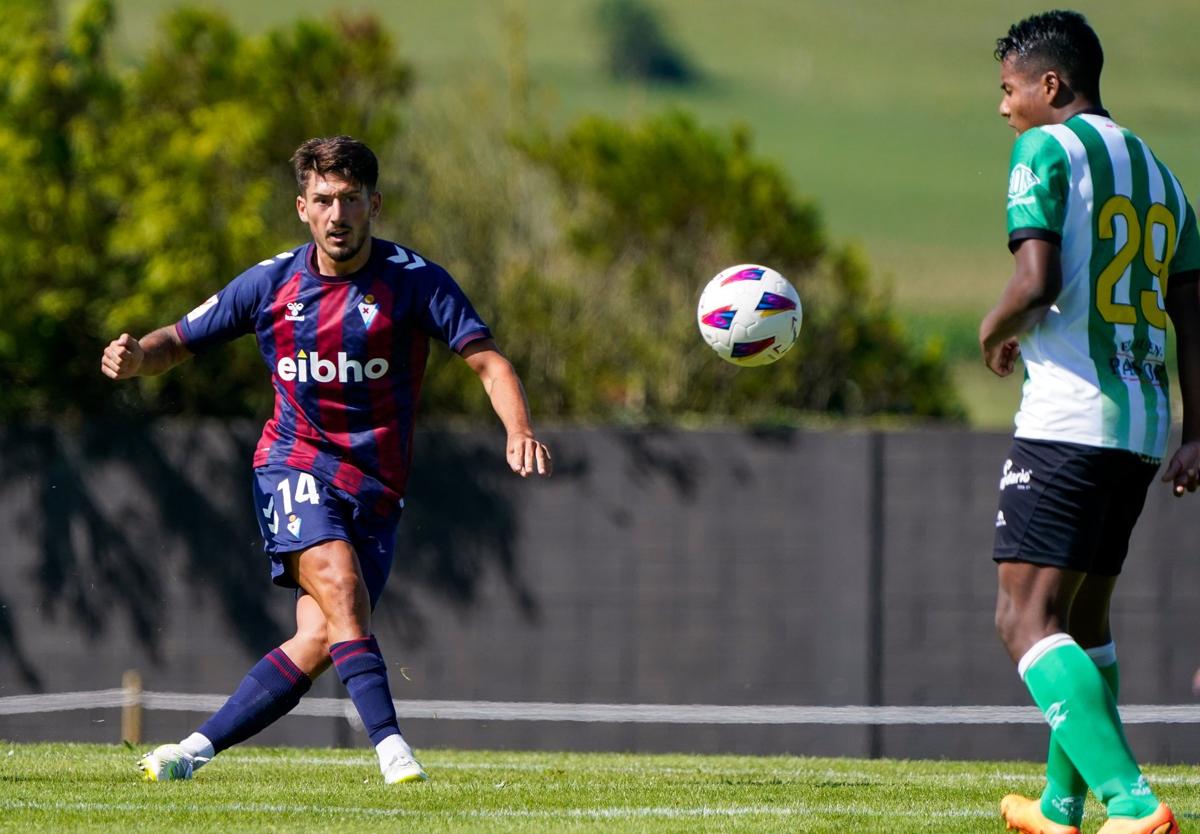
(1094, 366)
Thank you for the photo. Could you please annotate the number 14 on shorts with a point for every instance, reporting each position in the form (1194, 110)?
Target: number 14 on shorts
(305, 492)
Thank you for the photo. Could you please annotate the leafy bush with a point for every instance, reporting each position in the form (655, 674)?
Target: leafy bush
(655, 209)
(142, 192)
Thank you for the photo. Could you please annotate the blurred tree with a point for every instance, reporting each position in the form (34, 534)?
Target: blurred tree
(636, 44)
(587, 252)
(654, 208)
(140, 193)
(59, 104)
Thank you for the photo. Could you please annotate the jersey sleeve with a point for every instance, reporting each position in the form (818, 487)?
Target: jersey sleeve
(224, 316)
(1187, 254)
(1039, 178)
(448, 314)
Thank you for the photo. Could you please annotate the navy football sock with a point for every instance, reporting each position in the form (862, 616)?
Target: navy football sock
(268, 692)
(361, 668)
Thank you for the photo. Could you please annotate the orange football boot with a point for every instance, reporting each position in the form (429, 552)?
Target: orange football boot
(1162, 821)
(1025, 815)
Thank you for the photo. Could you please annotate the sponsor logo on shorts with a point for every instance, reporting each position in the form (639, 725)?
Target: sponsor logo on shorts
(1000, 522)
(306, 366)
(1019, 478)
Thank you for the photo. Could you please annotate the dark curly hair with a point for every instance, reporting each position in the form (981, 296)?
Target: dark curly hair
(344, 156)
(1058, 40)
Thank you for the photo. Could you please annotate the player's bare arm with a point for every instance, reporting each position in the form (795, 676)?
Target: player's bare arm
(1035, 284)
(526, 454)
(158, 351)
(1183, 306)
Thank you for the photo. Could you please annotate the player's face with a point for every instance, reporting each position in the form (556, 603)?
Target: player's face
(339, 214)
(1028, 96)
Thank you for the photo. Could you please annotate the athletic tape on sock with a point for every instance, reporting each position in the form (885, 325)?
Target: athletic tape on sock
(1105, 655)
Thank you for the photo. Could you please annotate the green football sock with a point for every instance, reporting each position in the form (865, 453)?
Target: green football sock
(1082, 713)
(1066, 790)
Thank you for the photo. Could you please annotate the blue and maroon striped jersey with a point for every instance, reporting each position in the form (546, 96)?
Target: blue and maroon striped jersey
(347, 356)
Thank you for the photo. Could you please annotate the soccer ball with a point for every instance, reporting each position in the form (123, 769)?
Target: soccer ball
(750, 315)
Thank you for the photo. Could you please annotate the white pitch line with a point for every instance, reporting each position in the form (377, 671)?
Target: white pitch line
(671, 770)
(609, 812)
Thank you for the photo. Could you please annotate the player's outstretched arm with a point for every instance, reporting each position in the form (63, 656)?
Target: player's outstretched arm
(1183, 306)
(1035, 284)
(526, 454)
(127, 357)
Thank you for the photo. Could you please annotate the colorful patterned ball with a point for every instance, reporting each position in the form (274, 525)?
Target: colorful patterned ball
(749, 314)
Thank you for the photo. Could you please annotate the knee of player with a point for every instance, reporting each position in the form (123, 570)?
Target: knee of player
(1022, 626)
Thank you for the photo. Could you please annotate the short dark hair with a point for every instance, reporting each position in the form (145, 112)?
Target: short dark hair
(344, 156)
(1060, 40)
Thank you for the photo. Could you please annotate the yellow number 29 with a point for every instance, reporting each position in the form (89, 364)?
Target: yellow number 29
(1114, 312)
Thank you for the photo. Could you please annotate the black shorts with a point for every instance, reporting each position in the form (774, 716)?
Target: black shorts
(1070, 506)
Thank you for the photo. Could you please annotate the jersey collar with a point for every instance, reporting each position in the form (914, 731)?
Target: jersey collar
(310, 264)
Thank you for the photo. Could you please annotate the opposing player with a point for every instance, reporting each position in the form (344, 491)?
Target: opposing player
(344, 324)
(1101, 234)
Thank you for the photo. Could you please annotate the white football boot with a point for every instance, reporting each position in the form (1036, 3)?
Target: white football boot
(403, 768)
(165, 763)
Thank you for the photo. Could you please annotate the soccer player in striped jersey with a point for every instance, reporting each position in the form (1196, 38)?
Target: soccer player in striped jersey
(1105, 247)
(343, 324)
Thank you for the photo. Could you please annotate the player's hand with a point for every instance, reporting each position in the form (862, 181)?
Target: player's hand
(1002, 359)
(122, 358)
(526, 455)
(1184, 469)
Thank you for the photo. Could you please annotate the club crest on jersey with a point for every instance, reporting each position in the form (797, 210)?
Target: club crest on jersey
(1021, 181)
(368, 308)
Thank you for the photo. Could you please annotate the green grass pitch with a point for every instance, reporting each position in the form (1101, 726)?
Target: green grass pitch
(94, 788)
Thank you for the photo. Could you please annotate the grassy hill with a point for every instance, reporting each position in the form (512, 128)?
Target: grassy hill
(883, 112)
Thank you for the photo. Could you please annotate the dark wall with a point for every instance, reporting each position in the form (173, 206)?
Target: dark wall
(670, 567)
